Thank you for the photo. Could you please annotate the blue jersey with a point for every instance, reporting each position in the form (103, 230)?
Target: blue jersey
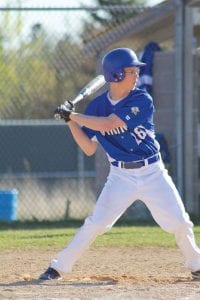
(136, 139)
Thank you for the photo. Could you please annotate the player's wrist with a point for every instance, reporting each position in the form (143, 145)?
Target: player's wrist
(68, 123)
(72, 116)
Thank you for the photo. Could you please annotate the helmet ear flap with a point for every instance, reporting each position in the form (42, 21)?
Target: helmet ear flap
(115, 76)
(118, 76)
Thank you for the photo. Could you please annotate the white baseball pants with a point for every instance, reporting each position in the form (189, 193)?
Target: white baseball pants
(154, 187)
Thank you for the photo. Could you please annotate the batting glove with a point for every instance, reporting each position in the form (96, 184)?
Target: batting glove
(63, 111)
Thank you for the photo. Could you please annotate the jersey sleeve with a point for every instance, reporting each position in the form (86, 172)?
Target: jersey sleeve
(134, 115)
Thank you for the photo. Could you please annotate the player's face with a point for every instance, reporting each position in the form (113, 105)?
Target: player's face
(131, 76)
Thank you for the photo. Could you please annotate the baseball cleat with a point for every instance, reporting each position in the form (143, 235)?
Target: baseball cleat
(196, 275)
(50, 274)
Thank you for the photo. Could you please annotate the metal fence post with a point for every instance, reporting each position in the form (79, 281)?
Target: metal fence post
(179, 72)
(190, 124)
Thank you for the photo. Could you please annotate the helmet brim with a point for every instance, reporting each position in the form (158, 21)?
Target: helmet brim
(139, 64)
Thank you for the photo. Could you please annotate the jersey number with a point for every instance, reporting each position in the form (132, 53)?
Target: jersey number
(139, 134)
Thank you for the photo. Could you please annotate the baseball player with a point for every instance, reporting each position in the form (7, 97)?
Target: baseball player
(121, 120)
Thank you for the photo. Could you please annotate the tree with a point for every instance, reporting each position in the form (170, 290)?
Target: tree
(72, 71)
(27, 78)
(122, 10)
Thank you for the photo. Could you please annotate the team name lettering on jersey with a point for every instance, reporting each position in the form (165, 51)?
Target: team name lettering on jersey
(114, 131)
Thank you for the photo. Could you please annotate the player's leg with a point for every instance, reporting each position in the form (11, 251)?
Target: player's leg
(117, 195)
(163, 200)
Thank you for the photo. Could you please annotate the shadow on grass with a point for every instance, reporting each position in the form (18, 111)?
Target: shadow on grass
(75, 223)
(35, 224)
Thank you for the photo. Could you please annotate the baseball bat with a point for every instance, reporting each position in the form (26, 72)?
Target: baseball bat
(90, 88)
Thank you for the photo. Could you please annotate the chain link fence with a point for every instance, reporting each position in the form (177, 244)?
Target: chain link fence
(47, 54)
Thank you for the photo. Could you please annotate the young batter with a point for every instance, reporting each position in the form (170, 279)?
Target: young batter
(121, 120)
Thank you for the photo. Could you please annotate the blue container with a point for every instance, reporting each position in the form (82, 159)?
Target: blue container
(8, 205)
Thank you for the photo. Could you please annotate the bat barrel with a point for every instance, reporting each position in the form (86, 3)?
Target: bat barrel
(92, 87)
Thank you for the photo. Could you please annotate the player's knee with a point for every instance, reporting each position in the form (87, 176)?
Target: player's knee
(179, 223)
(183, 226)
(97, 227)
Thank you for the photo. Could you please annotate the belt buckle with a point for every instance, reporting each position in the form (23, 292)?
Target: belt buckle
(122, 164)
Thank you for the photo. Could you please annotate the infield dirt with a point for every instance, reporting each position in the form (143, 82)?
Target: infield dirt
(101, 273)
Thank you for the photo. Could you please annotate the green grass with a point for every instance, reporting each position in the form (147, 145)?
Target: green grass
(40, 236)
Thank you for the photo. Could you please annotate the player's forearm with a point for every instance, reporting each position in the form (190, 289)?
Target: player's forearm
(88, 146)
(97, 123)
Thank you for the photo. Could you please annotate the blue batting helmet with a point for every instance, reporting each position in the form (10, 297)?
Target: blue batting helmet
(116, 60)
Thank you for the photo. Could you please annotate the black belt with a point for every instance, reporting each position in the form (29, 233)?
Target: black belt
(136, 164)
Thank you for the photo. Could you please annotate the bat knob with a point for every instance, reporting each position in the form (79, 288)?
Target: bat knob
(57, 116)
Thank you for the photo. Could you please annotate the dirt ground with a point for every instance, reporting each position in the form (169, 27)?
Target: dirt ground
(101, 273)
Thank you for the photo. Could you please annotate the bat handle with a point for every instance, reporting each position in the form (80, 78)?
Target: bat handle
(78, 99)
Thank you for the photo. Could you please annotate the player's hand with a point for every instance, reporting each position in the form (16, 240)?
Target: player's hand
(63, 111)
